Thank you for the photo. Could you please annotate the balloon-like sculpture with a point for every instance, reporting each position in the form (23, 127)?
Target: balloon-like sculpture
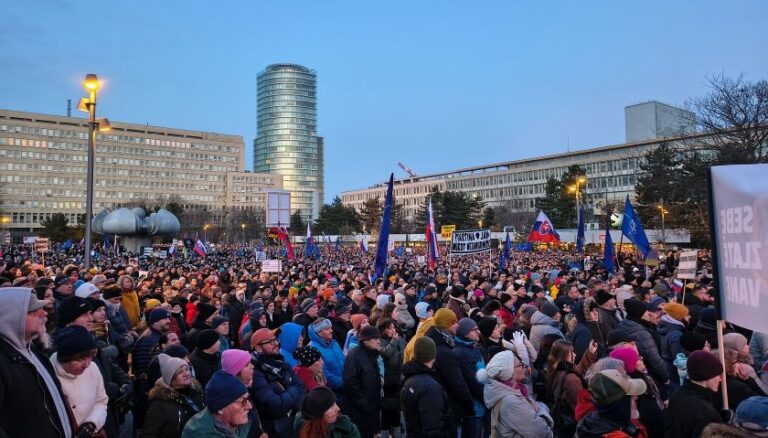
(134, 222)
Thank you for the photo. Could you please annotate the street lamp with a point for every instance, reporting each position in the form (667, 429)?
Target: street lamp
(88, 104)
(205, 231)
(663, 212)
(242, 227)
(576, 189)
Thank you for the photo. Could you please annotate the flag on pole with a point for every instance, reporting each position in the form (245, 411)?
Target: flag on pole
(282, 234)
(431, 237)
(505, 254)
(338, 243)
(610, 253)
(580, 232)
(200, 249)
(311, 248)
(543, 230)
(172, 249)
(383, 242)
(364, 244)
(633, 229)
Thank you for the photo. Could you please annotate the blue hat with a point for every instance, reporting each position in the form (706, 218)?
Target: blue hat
(422, 309)
(752, 414)
(158, 314)
(72, 340)
(222, 390)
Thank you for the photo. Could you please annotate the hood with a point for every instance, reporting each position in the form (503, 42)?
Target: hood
(161, 391)
(413, 368)
(594, 426)
(578, 311)
(14, 301)
(539, 318)
(630, 326)
(289, 336)
(495, 391)
(668, 325)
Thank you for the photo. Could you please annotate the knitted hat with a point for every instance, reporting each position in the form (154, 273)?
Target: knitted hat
(635, 308)
(72, 340)
(734, 341)
(61, 280)
(703, 366)
(627, 355)
(529, 310)
(111, 291)
(676, 310)
(424, 349)
(317, 401)
(343, 306)
(204, 311)
(306, 355)
(233, 360)
(179, 351)
(616, 337)
(382, 300)
(71, 309)
(206, 339)
(158, 314)
(169, 366)
(151, 303)
(422, 310)
(548, 309)
(218, 320)
(321, 324)
(604, 296)
(466, 325)
(95, 303)
(444, 318)
(307, 304)
(222, 390)
(656, 304)
(86, 290)
(501, 367)
(486, 325)
(357, 319)
(692, 341)
(752, 414)
(369, 332)
(609, 386)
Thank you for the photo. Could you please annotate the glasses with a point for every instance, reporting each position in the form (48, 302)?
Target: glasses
(271, 341)
(244, 401)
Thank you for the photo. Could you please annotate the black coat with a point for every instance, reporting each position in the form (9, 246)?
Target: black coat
(205, 365)
(340, 330)
(26, 406)
(691, 409)
(362, 389)
(234, 310)
(425, 406)
(170, 410)
(449, 376)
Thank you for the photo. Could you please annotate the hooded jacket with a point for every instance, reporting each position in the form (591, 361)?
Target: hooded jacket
(362, 389)
(333, 359)
(202, 426)
(671, 330)
(31, 401)
(586, 331)
(169, 410)
(276, 393)
(647, 348)
(425, 406)
(513, 415)
(542, 325)
(289, 339)
(449, 375)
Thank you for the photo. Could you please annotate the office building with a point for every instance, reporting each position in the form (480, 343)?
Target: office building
(655, 120)
(43, 169)
(286, 143)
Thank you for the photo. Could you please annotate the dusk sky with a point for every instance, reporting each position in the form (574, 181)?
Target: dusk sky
(438, 85)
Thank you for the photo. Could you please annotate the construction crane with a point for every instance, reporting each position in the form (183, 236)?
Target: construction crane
(406, 169)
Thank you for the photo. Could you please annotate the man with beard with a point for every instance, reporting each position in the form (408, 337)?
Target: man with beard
(608, 310)
(27, 409)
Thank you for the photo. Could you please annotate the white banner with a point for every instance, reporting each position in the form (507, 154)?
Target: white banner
(271, 266)
(687, 267)
(470, 241)
(740, 225)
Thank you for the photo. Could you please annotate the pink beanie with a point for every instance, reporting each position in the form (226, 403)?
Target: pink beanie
(233, 360)
(627, 355)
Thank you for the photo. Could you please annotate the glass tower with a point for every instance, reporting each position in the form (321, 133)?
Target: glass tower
(286, 141)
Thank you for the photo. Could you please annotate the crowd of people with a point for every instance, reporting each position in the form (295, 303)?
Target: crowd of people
(548, 344)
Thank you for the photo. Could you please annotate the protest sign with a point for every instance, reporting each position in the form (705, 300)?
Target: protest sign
(470, 241)
(447, 230)
(687, 267)
(271, 266)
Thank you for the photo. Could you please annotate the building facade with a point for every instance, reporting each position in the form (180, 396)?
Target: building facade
(286, 142)
(655, 120)
(43, 165)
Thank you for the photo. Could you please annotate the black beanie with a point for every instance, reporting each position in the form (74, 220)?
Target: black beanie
(505, 297)
(486, 325)
(548, 308)
(204, 311)
(603, 297)
(72, 340)
(206, 339)
(692, 341)
(703, 366)
(317, 401)
(635, 308)
(71, 309)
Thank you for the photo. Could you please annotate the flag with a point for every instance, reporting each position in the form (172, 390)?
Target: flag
(633, 229)
(580, 232)
(381, 245)
(543, 230)
(505, 253)
(338, 243)
(172, 249)
(524, 247)
(200, 249)
(364, 244)
(399, 251)
(67, 245)
(282, 234)
(105, 241)
(311, 248)
(434, 253)
(610, 253)
(184, 252)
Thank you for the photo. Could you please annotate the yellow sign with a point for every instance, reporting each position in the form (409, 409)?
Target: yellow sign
(447, 230)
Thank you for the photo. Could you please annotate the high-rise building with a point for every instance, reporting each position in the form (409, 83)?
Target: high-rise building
(286, 141)
(653, 120)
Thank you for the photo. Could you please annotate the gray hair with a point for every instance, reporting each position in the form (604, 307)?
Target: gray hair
(606, 363)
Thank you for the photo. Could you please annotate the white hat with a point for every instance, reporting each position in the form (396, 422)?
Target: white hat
(86, 290)
(501, 366)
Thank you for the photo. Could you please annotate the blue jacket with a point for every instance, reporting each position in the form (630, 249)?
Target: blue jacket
(289, 340)
(333, 358)
(277, 394)
(142, 353)
(470, 361)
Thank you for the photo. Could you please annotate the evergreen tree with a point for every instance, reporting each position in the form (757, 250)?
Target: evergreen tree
(297, 225)
(370, 215)
(559, 200)
(56, 228)
(337, 218)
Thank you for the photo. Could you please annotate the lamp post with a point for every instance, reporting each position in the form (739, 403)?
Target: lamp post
(91, 85)
(580, 181)
(242, 227)
(205, 232)
(663, 212)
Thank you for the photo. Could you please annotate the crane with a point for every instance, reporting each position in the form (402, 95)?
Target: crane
(406, 169)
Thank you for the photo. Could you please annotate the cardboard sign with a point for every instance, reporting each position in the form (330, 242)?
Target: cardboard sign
(447, 230)
(271, 266)
(687, 267)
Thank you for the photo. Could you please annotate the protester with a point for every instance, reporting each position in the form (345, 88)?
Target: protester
(310, 367)
(363, 383)
(693, 405)
(391, 349)
(321, 418)
(321, 334)
(226, 414)
(613, 394)
(425, 406)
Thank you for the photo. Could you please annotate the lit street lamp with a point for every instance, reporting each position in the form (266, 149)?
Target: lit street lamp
(663, 212)
(205, 232)
(242, 227)
(88, 104)
(580, 181)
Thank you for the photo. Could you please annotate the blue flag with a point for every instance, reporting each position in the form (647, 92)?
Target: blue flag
(505, 254)
(399, 251)
(580, 231)
(633, 229)
(338, 242)
(610, 253)
(527, 246)
(382, 244)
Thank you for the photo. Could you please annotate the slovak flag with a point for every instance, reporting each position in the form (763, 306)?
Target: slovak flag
(543, 230)
(364, 244)
(431, 237)
(200, 249)
(282, 234)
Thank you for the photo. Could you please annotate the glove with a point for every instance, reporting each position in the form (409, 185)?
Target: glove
(517, 338)
(86, 430)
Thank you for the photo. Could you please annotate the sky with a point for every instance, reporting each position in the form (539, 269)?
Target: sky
(438, 85)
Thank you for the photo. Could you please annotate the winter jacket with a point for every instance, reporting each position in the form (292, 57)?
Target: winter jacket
(647, 348)
(333, 359)
(738, 391)
(340, 330)
(573, 383)
(234, 309)
(470, 360)
(695, 306)
(671, 330)
(201, 425)
(342, 428)
(609, 320)
(758, 348)
(542, 325)
(457, 307)
(425, 405)
(392, 354)
(595, 426)
(307, 377)
(586, 331)
(85, 393)
(362, 389)
(169, 410)
(142, 352)
(690, 409)
(514, 415)
(289, 340)
(130, 303)
(649, 405)
(276, 393)
(449, 375)
(205, 365)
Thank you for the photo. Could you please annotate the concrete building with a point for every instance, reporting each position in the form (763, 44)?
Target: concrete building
(287, 143)
(655, 120)
(43, 169)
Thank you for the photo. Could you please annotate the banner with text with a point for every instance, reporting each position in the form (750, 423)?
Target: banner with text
(740, 227)
(470, 241)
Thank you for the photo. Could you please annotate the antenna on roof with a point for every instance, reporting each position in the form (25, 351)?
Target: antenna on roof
(69, 107)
